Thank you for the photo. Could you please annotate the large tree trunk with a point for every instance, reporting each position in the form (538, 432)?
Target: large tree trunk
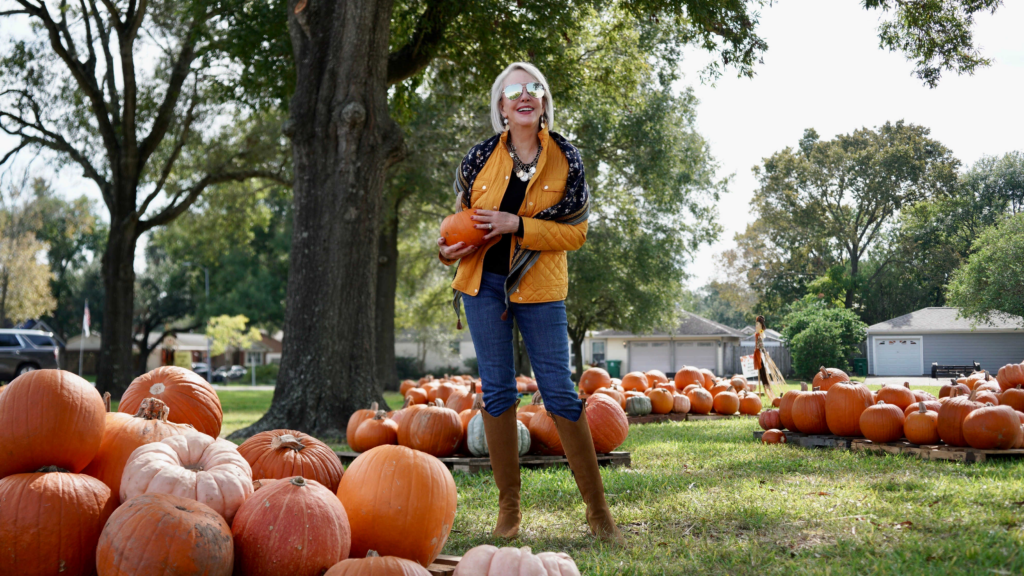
(343, 140)
(115, 371)
(387, 282)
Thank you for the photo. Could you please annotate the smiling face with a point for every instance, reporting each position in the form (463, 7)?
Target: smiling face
(526, 111)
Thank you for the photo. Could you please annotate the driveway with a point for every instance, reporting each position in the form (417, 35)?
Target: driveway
(915, 381)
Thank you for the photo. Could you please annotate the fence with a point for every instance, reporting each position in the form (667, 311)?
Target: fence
(732, 353)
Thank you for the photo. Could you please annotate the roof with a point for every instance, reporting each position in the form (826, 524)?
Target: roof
(945, 319)
(691, 325)
(768, 333)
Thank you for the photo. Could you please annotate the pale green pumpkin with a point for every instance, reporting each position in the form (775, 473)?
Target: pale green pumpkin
(638, 406)
(476, 439)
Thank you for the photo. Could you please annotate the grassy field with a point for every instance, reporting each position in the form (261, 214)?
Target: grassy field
(704, 497)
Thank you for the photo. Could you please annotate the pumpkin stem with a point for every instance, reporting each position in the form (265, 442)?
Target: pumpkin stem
(803, 386)
(478, 401)
(106, 401)
(194, 467)
(48, 469)
(288, 441)
(921, 408)
(380, 415)
(153, 409)
(372, 554)
(537, 399)
(906, 385)
(298, 481)
(406, 402)
(439, 403)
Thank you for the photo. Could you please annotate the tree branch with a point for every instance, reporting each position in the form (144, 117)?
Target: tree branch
(416, 55)
(175, 153)
(175, 209)
(104, 34)
(179, 73)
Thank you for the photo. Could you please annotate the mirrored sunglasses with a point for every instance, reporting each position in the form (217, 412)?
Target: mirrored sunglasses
(514, 91)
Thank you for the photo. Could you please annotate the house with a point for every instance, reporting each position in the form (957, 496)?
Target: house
(909, 344)
(696, 342)
(433, 354)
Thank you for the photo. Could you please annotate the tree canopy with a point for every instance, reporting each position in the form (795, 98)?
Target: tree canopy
(992, 279)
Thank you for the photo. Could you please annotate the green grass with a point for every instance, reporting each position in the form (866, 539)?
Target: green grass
(704, 497)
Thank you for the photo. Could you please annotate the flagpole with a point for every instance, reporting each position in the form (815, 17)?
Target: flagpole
(81, 342)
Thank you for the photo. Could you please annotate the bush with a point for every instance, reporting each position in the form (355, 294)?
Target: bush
(267, 374)
(472, 366)
(822, 336)
(407, 367)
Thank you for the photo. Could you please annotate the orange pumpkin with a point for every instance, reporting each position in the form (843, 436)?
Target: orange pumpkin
(191, 398)
(688, 375)
(406, 386)
(1014, 398)
(374, 565)
(358, 417)
(49, 418)
(635, 382)
(1010, 376)
(435, 430)
(992, 428)
(656, 377)
(296, 526)
(750, 404)
(773, 437)
(808, 413)
(124, 433)
(786, 409)
(932, 405)
(416, 396)
(720, 387)
(951, 418)
(190, 534)
(608, 424)
(544, 437)
(374, 432)
(921, 425)
(615, 395)
(50, 522)
(985, 397)
(769, 419)
(478, 404)
(661, 401)
(701, 401)
(893, 394)
(594, 378)
(882, 422)
(947, 389)
(536, 405)
(418, 528)
(668, 386)
(460, 227)
(976, 379)
(709, 378)
(844, 403)
(461, 399)
(726, 403)
(826, 377)
(691, 387)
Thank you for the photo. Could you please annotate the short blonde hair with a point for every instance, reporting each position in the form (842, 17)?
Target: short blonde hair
(497, 92)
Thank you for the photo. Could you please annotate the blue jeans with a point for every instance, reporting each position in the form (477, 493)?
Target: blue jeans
(545, 331)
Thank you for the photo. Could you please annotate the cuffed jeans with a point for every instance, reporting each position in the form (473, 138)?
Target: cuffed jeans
(545, 331)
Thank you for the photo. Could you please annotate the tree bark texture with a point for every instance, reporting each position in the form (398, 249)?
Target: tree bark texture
(387, 283)
(343, 140)
(115, 370)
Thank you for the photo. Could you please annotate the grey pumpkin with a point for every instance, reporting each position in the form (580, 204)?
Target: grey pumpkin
(476, 439)
(638, 406)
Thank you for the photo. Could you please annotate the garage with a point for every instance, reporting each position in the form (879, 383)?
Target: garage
(898, 356)
(700, 354)
(651, 355)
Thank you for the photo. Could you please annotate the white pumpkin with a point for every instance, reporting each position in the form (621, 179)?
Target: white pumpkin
(476, 439)
(194, 466)
(488, 560)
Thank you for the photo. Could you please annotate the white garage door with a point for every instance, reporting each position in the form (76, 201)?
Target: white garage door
(699, 354)
(644, 356)
(898, 356)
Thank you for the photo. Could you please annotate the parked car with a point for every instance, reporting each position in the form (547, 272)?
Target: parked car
(202, 369)
(23, 351)
(229, 373)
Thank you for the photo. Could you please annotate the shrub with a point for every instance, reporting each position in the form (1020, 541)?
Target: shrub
(822, 336)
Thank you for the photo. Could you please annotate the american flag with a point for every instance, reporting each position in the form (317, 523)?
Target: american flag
(86, 320)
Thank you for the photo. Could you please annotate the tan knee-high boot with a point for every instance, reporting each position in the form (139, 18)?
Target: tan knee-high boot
(503, 448)
(579, 450)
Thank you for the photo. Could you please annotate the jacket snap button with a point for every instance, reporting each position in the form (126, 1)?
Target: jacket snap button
(506, 177)
(495, 207)
(475, 290)
(485, 187)
(520, 298)
(531, 203)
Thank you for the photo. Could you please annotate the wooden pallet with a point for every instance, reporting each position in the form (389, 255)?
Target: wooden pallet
(444, 565)
(935, 452)
(655, 418)
(813, 440)
(475, 465)
(702, 417)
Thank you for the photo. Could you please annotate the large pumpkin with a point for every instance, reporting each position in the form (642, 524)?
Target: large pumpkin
(720, 387)
(656, 377)
(376, 565)
(594, 378)
(1014, 398)
(953, 389)
(286, 453)
(296, 527)
(808, 412)
(932, 405)
(921, 425)
(826, 377)
(951, 418)
(614, 395)
(608, 424)
(435, 430)
(786, 408)
(661, 401)
(51, 521)
(181, 536)
(460, 227)
(191, 398)
(893, 394)
(709, 378)
(400, 502)
(1010, 376)
(124, 433)
(773, 436)
(374, 432)
(487, 560)
(701, 401)
(49, 418)
(726, 402)
(688, 375)
(635, 381)
(992, 428)
(882, 422)
(192, 466)
(461, 399)
(844, 403)
(544, 434)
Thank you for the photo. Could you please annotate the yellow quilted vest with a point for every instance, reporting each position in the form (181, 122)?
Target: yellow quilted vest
(548, 279)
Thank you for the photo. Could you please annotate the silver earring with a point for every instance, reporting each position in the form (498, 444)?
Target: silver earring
(505, 120)
(543, 122)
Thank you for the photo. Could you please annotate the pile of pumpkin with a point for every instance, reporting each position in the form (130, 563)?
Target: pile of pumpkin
(976, 411)
(692, 390)
(151, 490)
(443, 418)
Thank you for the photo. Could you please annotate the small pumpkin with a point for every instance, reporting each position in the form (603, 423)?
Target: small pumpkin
(417, 396)
(769, 420)
(932, 405)
(190, 398)
(418, 528)
(720, 387)
(406, 386)
(358, 417)
(460, 227)
(376, 565)
(992, 427)
(826, 377)
(808, 412)
(189, 534)
(739, 383)
(435, 430)
(655, 377)
(882, 422)
(296, 526)
(1014, 398)
(750, 404)
(476, 438)
(701, 401)
(773, 437)
(786, 407)
(726, 403)
(461, 399)
(638, 406)
(661, 401)
(608, 424)
(594, 378)
(286, 453)
(709, 378)
(680, 403)
(844, 403)
(947, 389)
(614, 395)
(374, 432)
(921, 425)
(892, 394)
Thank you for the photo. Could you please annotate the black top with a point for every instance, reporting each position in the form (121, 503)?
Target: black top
(497, 257)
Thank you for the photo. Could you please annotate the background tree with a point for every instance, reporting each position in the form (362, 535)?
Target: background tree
(164, 303)
(992, 279)
(24, 280)
(821, 334)
(230, 332)
(149, 137)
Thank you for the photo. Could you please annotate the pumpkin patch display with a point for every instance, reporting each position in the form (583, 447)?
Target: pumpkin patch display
(901, 396)
(701, 401)
(285, 453)
(376, 565)
(720, 387)
(193, 466)
(769, 419)
(882, 422)
(951, 418)
(374, 432)
(1010, 376)
(635, 382)
(38, 535)
(192, 536)
(680, 404)
(773, 437)
(947, 389)
(921, 426)
(476, 439)
(400, 502)
(826, 377)
(607, 422)
(487, 560)
(435, 430)
(460, 227)
(49, 418)
(726, 402)
(295, 527)
(124, 433)
(358, 417)
(992, 428)
(709, 378)
(808, 412)
(750, 404)
(661, 401)
(190, 398)
(688, 375)
(932, 405)
(417, 396)
(844, 403)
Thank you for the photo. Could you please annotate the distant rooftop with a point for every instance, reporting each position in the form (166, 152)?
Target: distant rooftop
(691, 325)
(945, 319)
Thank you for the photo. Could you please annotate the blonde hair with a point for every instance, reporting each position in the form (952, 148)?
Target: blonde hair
(497, 92)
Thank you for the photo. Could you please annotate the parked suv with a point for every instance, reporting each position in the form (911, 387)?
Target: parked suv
(22, 351)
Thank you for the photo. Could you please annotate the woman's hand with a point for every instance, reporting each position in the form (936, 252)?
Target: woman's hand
(503, 222)
(456, 251)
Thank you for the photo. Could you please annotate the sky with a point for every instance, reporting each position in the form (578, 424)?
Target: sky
(824, 70)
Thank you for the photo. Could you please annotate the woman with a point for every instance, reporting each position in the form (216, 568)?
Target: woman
(528, 188)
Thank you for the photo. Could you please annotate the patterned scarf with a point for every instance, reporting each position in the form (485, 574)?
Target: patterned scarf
(572, 209)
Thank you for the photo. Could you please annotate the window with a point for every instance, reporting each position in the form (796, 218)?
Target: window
(253, 358)
(9, 341)
(596, 352)
(40, 340)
